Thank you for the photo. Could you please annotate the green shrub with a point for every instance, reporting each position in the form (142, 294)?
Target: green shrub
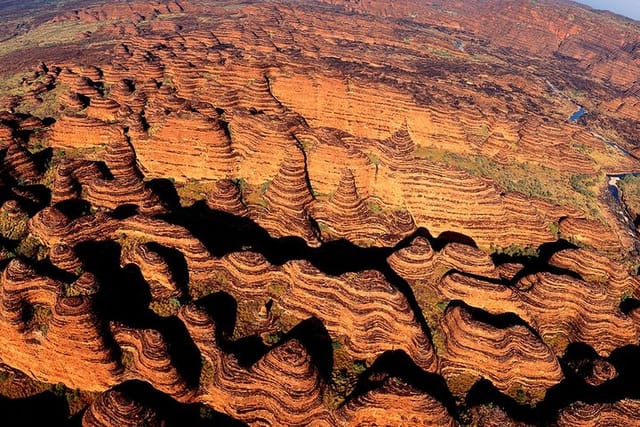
(582, 183)
(554, 229)
(515, 250)
(38, 317)
(165, 307)
(13, 227)
(31, 247)
(272, 338)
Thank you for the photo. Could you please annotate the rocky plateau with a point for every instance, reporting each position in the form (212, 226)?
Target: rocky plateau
(319, 212)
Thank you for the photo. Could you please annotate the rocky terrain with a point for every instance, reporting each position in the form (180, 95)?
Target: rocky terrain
(319, 213)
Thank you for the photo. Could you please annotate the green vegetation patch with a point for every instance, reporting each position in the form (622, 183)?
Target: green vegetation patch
(374, 207)
(193, 191)
(207, 372)
(630, 187)
(128, 242)
(344, 376)
(523, 395)
(165, 307)
(263, 187)
(11, 85)
(441, 53)
(198, 289)
(73, 290)
(47, 104)
(254, 194)
(433, 309)
(247, 316)
(32, 248)
(531, 179)
(38, 317)
(14, 226)
(460, 384)
(583, 184)
(516, 251)
(49, 34)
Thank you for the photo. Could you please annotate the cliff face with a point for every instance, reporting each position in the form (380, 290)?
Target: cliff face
(320, 212)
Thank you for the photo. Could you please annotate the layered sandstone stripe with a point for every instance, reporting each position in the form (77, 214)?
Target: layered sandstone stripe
(511, 357)
(19, 163)
(419, 261)
(68, 346)
(289, 197)
(361, 310)
(346, 216)
(126, 187)
(114, 408)
(320, 131)
(394, 403)
(77, 131)
(226, 197)
(561, 309)
(187, 147)
(64, 257)
(596, 268)
(155, 269)
(146, 357)
(252, 395)
(621, 413)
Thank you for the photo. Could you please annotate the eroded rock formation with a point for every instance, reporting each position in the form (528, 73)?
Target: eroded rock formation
(322, 213)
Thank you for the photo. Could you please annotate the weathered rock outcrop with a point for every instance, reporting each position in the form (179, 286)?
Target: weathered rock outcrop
(512, 357)
(321, 213)
(624, 412)
(113, 408)
(248, 394)
(394, 404)
(39, 325)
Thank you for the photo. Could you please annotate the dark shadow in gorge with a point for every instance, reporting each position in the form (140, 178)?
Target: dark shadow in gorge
(32, 198)
(124, 211)
(447, 237)
(223, 310)
(124, 296)
(73, 208)
(223, 233)
(166, 191)
(627, 305)
(499, 321)
(45, 268)
(43, 158)
(572, 389)
(315, 338)
(538, 263)
(311, 333)
(39, 410)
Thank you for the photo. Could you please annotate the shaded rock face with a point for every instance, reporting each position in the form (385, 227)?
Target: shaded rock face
(319, 213)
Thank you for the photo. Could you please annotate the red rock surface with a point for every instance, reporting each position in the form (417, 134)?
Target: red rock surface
(320, 213)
